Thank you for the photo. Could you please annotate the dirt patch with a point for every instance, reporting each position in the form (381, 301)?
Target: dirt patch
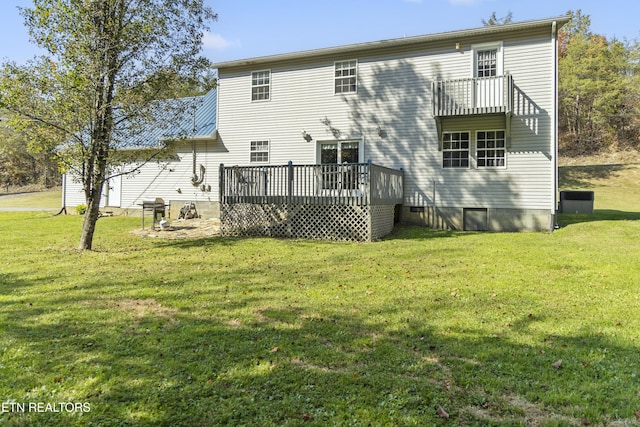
(529, 414)
(183, 229)
(144, 307)
(141, 308)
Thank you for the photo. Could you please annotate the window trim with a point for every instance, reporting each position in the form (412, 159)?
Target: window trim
(268, 85)
(499, 46)
(359, 141)
(504, 148)
(468, 150)
(252, 150)
(335, 78)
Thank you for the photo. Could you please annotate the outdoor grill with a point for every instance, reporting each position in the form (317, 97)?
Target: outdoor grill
(156, 208)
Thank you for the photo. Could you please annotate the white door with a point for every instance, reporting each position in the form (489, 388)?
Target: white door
(338, 160)
(489, 82)
(112, 193)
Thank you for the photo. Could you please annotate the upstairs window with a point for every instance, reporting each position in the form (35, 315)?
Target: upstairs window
(487, 63)
(259, 152)
(346, 79)
(491, 149)
(488, 59)
(455, 150)
(260, 85)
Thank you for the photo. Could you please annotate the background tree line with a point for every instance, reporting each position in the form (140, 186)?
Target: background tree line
(23, 164)
(599, 90)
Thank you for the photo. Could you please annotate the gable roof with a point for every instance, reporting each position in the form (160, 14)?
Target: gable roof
(395, 43)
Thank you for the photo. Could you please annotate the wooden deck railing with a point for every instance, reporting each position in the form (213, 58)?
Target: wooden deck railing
(482, 95)
(321, 184)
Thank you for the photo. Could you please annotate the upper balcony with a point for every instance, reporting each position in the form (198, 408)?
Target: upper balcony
(480, 95)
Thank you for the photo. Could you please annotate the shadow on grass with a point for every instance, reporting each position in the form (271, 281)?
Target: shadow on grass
(240, 353)
(582, 176)
(415, 232)
(296, 365)
(598, 215)
(400, 232)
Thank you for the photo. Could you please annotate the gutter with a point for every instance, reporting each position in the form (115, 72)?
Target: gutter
(393, 43)
(554, 128)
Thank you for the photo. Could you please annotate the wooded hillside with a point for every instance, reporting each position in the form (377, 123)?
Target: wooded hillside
(599, 90)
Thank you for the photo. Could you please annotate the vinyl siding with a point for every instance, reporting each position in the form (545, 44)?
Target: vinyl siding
(394, 95)
(163, 179)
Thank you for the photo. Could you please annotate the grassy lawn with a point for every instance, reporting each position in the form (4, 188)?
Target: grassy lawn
(40, 199)
(494, 329)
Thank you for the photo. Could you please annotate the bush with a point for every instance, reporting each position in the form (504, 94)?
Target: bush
(81, 209)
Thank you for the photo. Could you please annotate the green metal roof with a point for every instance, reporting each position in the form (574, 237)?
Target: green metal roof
(183, 118)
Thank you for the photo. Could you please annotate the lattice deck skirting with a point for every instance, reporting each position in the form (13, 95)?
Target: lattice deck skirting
(329, 222)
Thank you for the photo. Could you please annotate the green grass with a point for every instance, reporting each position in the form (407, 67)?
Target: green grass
(268, 332)
(40, 199)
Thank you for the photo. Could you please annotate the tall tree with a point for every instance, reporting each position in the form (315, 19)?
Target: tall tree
(22, 163)
(596, 104)
(107, 62)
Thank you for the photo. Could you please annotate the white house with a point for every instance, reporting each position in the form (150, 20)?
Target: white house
(463, 122)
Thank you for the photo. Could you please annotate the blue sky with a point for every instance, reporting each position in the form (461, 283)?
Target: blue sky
(250, 28)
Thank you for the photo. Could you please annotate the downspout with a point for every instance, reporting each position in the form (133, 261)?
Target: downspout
(64, 195)
(195, 179)
(554, 127)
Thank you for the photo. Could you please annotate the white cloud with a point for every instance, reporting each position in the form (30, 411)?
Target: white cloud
(216, 41)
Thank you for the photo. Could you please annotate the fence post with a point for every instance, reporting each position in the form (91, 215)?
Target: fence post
(290, 180)
(221, 183)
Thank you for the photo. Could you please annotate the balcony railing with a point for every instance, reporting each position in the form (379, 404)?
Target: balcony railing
(482, 95)
(321, 184)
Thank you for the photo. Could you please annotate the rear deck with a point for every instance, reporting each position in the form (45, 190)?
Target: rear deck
(322, 201)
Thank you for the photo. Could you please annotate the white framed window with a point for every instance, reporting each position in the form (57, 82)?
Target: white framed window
(455, 149)
(346, 76)
(491, 149)
(259, 152)
(261, 85)
(487, 63)
(487, 60)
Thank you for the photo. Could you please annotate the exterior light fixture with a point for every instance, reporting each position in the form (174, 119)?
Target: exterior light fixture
(307, 137)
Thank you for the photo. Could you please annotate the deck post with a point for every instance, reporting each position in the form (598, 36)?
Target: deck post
(221, 183)
(370, 183)
(290, 180)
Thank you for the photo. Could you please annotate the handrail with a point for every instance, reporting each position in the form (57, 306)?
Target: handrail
(321, 184)
(478, 95)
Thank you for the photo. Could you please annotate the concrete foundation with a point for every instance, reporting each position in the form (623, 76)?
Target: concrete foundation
(478, 219)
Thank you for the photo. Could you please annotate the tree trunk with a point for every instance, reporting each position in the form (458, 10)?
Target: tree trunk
(89, 222)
